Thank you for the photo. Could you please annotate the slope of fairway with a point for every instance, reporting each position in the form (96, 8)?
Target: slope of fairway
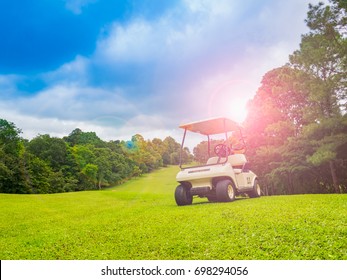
(140, 220)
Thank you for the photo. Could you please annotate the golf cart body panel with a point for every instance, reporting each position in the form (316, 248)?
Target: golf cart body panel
(203, 175)
(223, 176)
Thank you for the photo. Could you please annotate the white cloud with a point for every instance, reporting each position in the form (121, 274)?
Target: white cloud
(203, 27)
(133, 43)
(32, 126)
(117, 128)
(69, 102)
(8, 83)
(201, 41)
(74, 72)
(178, 34)
(201, 57)
(213, 8)
(149, 126)
(76, 6)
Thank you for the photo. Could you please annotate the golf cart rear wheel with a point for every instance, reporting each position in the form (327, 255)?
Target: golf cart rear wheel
(225, 191)
(212, 197)
(256, 192)
(183, 196)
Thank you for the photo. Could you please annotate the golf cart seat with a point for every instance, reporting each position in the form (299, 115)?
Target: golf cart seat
(237, 160)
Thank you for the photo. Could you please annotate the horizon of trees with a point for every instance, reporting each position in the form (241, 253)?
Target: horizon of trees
(79, 161)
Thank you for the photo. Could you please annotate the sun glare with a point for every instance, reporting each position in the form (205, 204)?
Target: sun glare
(237, 109)
(230, 100)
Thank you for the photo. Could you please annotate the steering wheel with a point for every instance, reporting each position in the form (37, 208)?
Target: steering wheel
(222, 150)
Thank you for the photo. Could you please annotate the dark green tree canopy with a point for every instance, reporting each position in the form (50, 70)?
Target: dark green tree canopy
(297, 119)
(77, 136)
(79, 161)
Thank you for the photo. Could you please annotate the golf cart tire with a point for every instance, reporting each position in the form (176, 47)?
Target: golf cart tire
(183, 196)
(225, 191)
(256, 190)
(212, 198)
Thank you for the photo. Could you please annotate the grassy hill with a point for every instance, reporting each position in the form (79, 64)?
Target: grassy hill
(140, 220)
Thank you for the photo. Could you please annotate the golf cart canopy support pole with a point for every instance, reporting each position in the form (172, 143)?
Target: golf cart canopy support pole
(209, 146)
(226, 135)
(184, 137)
(242, 137)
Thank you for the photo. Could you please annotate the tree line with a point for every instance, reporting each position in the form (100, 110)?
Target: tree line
(297, 122)
(79, 161)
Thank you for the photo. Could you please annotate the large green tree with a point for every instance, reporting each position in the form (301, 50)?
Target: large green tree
(12, 170)
(297, 120)
(53, 150)
(277, 113)
(323, 55)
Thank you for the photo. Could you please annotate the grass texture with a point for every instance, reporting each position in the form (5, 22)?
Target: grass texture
(140, 220)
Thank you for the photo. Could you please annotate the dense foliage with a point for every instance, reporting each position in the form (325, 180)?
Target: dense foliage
(79, 161)
(297, 122)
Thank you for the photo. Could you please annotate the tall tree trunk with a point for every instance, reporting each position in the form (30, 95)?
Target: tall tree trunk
(334, 176)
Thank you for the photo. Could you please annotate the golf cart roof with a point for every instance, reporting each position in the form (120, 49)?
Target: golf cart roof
(212, 126)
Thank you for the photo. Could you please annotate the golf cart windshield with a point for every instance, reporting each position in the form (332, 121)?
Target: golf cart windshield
(211, 127)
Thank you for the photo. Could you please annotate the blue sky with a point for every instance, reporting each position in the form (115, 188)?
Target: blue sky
(121, 67)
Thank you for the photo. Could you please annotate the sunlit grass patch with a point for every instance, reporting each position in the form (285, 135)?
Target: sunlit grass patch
(140, 220)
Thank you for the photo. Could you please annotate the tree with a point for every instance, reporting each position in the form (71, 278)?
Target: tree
(52, 150)
(281, 101)
(38, 175)
(90, 172)
(12, 173)
(200, 152)
(296, 124)
(78, 137)
(83, 154)
(323, 56)
(104, 163)
(10, 141)
(143, 153)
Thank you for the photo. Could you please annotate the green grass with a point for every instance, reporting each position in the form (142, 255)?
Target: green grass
(140, 220)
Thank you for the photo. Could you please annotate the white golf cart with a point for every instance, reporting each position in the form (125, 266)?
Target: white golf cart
(224, 175)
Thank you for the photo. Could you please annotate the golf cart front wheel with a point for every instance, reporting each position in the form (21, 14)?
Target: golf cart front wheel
(256, 192)
(225, 191)
(183, 196)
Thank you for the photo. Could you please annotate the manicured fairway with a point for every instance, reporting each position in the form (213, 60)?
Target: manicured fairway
(140, 220)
